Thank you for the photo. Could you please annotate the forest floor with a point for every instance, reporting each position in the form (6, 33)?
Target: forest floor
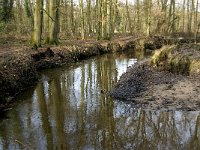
(164, 84)
(9, 44)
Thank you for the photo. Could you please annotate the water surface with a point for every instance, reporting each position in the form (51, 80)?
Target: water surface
(69, 109)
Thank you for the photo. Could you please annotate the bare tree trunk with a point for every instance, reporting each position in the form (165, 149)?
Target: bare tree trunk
(89, 21)
(82, 20)
(104, 19)
(65, 25)
(72, 17)
(173, 16)
(192, 15)
(189, 17)
(170, 16)
(29, 13)
(147, 5)
(183, 28)
(38, 17)
(110, 19)
(196, 27)
(99, 16)
(163, 19)
(129, 18)
(138, 14)
(19, 16)
(46, 22)
(54, 21)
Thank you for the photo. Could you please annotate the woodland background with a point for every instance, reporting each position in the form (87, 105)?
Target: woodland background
(51, 21)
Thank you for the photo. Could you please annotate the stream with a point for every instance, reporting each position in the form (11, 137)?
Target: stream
(69, 109)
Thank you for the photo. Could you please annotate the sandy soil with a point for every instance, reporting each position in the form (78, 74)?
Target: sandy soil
(182, 95)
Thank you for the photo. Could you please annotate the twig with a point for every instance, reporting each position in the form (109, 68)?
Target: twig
(48, 15)
(19, 142)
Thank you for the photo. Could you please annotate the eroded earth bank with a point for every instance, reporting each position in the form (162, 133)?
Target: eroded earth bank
(20, 66)
(169, 80)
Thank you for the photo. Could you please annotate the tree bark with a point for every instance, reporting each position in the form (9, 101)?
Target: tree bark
(104, 19)
(196, 27)
(72, 17)
(189, 17)
(183, 23)
(138, 14)
(173, 16)
(54, 26)
(38, 17)
(98, 18)
(115, 15)
(82, 19)
(89, 21)
(28, 11)
(110, 19)
(147, 5)
(46, 22)
(128, 17)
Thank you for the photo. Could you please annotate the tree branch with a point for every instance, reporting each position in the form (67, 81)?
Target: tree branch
(48, 15)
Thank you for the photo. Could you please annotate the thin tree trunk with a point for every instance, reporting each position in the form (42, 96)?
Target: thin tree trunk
(46, 22)
(28, 11)
(82, 20)
(170, 16)
(54, 21)
(99, 16)
(173, 16)
(19, 16)
(110, 19)
(189, 17)
(148, 4)
(138, 14)
(128, 17)
(192, 15)
(115, 15)
(72, 17)
(38, 17)
(104, 19)
(183, 28)
(89, 21)
(196, 22)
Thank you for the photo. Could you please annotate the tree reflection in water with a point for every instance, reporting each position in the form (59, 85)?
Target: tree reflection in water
(69, 109)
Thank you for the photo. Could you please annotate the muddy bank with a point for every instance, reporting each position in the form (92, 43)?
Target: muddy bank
(16, 74)
(167, 81)
(19, 68)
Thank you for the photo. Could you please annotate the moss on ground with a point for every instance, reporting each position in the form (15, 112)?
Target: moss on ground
(161, 56)
(181, 59)
(195, 67)
(180, 65)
